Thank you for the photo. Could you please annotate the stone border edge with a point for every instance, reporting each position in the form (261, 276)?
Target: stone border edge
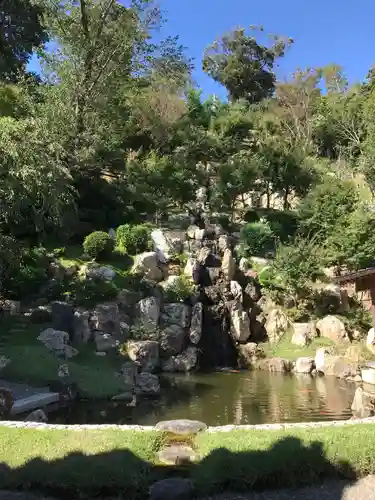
(149, 428)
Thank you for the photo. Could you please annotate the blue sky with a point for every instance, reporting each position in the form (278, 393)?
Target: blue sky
(325, 31)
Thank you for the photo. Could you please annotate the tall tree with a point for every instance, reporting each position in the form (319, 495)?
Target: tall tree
(21, 31)
(243, 66)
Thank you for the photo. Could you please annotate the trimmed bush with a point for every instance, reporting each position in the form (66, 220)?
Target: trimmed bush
(98, 245)
(257, 239)
(133, 239)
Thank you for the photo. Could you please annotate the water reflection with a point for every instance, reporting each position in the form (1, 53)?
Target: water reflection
(228, 398)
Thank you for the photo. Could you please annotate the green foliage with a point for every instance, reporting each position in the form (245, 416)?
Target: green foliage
(326, 208)
(180, 290)
(10, 261)
(139, 332)
(257, 239)
(98, 245)
(298, 265)
(133, 239)
(89, 292)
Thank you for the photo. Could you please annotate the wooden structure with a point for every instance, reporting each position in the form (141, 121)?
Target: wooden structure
(364, 280)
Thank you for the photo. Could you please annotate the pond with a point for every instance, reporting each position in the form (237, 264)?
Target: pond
(223, 398)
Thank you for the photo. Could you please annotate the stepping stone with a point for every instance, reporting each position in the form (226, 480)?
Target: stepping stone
(178, 454)
(181, 427)
(174, 488)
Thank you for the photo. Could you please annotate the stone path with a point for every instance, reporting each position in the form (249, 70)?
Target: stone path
(363, 489)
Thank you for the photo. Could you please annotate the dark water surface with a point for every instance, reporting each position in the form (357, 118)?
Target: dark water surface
(223, 398)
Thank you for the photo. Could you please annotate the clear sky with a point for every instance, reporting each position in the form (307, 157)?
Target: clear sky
(325, 31)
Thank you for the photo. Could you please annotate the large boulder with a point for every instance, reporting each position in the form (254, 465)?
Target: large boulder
(176, 313)
(239, 323)
(276, 325)
(363, 405)
(62, 316)
(339, 367)
(147, 265)
(172, 340)
(144, 353)
(193, 269)
(236, 291)
(279, 365)
(104, 342)
(93, 270)
(184, 362)
(332, 328)
(304, 365)
(129, 373)
(303, 333)
(105, 318)
(320, 358)
(249, 354)
(370, 340)
(195, 333)
(223, 243)
(147, 384)
(165, 244)
(148, 313)
(81, 327)
(228, 265)
(57, 342)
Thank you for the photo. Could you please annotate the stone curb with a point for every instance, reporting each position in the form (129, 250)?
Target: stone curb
(149, 428)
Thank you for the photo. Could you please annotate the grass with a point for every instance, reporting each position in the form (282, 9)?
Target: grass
(105, 461)
(84, 460)
(285, 348)
(32, 363)
(274, 459)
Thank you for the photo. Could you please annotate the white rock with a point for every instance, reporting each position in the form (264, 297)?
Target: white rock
(276, 325)
(244, 264)
(240, 324)
(236, 290)
(368, 375)
(192, 269)
(148, 313)
(228, 265)
(371, 337)
(147, 265)
(37, 416)
(195, 333)
(304, 365)
(164, 245)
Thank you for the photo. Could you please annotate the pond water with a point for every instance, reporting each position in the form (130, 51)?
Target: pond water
(223, 398)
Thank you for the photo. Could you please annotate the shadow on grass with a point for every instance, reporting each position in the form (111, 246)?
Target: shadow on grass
(288, 463)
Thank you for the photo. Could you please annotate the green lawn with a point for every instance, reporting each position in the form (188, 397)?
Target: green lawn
(285, 348)
(107, 461)
(32, 363)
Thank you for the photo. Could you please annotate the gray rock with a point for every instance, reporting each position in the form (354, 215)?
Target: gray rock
(184, 362)
(192, 269)
(147, 265)
(63, 371)
(176, 313)
(36, 416)
(363, 405)
(41, 314)
(178, 454)
(236, 291)
(228, 266)
(240, 323)
(62, 316)
(165, 244)
(148, 384)
(249, 354)
(279, 365)
(148, 311)
(339, 367)
(252, 290)
(173, 488)
(56, 341)
(333, 328)
(11, 307)
(182, 427)
(195, 333)
(93, 270)
(244, 264)
(304, 365)
(145, 353)
(129, 373)
(172, 340)
(104, 342)
(4, 362)
(276, 325)
(81, 327)
(105, 318)
(223, 243)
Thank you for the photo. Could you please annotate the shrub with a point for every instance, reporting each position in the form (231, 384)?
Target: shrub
(298, 265)
(90, 292)
(139, 332)
(180, 290)
(10, 261)
(98, 245)
(133, 239)
(257, 239)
